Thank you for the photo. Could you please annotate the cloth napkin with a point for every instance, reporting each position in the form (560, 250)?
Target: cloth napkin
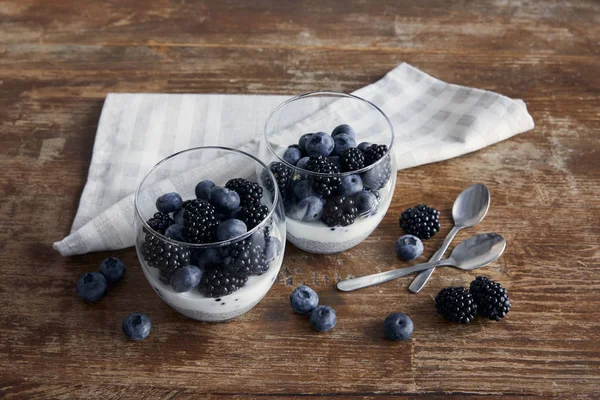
(433, 121)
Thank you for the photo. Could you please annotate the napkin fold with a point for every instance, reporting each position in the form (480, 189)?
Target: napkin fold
(433, 121)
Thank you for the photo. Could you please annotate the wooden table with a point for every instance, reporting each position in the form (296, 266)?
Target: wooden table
(58, 60)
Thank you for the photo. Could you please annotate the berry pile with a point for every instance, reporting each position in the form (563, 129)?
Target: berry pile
(325, 195)
(484, 297)
(218, 213)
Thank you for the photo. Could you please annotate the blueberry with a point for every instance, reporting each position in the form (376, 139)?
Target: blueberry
(351, 184)
(376, 177)
(112, 268)
(169, 202)
(292, 155)
(363, 146)
(323, 318)
(272, 247)
(343, 130)
(203, 189)
(178, 217)
(309, 209)
(409, 247)
(336, 160)
(175, 232)
(302, 142)
(92, 286)
(137, 326)
(186, 278)
(258, 238)
(398, 326)
(303, 300)
(302, 163)
(204, 258)
(366, 202)
(319, 144)
(342, 143)
(303, 189)
(230, 229)
(224, 200)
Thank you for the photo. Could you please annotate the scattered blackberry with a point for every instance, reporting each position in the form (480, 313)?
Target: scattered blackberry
(253, 214)
(374, 152)
(324, 185)
(456, 304)
(165, 256)
(283, 176)
(421, 221)
(220, 282)
(352, 160)
(250, 192)
(339, 211)
(160, 222)
(491, 298)
(245, 258)
(199, 222)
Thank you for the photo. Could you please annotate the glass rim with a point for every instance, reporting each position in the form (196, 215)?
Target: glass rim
(212, 244)
(328, 94)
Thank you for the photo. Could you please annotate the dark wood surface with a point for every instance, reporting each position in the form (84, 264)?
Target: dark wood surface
(58, 60)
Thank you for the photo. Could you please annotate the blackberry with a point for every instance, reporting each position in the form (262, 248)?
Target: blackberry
(374, 152)
(456, 304)
(421, 221)
(352, 160)
(160, 222)
(245, 258)
(282, 174)
(220, 282)
(491, 298)
(199, 222)
(250, 192)
(324, 185)
(253, 214)
(165, 256)
(339, 211)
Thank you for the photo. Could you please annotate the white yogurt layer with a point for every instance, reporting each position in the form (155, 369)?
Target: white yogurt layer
(317, 237)
(197, 306)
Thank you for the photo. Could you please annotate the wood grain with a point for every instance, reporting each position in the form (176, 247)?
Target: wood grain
(58, 59)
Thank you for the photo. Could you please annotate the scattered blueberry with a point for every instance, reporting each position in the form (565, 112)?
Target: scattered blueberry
(272, 247)
(409, 247)
(223, 199)
(175, 232)
(302, 163)
(178, 217)
(303, 300)
(137, 326)
(364, 145)
(336, 160)
(323, 318)
(186, 278)
(319, 144)
(302, 142)
(351, 184)
(169, 202)
(292, 155)
(342, 143)
(112, 268)
(343, 130)
(398, 326)
(366, 202)
(230, 229)
(203, 189)
(92, 286)
(303, 189)
(309, 209)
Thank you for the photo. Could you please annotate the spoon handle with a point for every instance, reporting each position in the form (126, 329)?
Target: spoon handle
(419, 282)
(375, 279)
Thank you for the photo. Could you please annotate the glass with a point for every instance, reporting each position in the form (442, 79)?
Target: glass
(160, 256)
(323, 112)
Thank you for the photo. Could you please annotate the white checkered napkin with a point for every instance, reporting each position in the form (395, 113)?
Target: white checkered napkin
(433, 121)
